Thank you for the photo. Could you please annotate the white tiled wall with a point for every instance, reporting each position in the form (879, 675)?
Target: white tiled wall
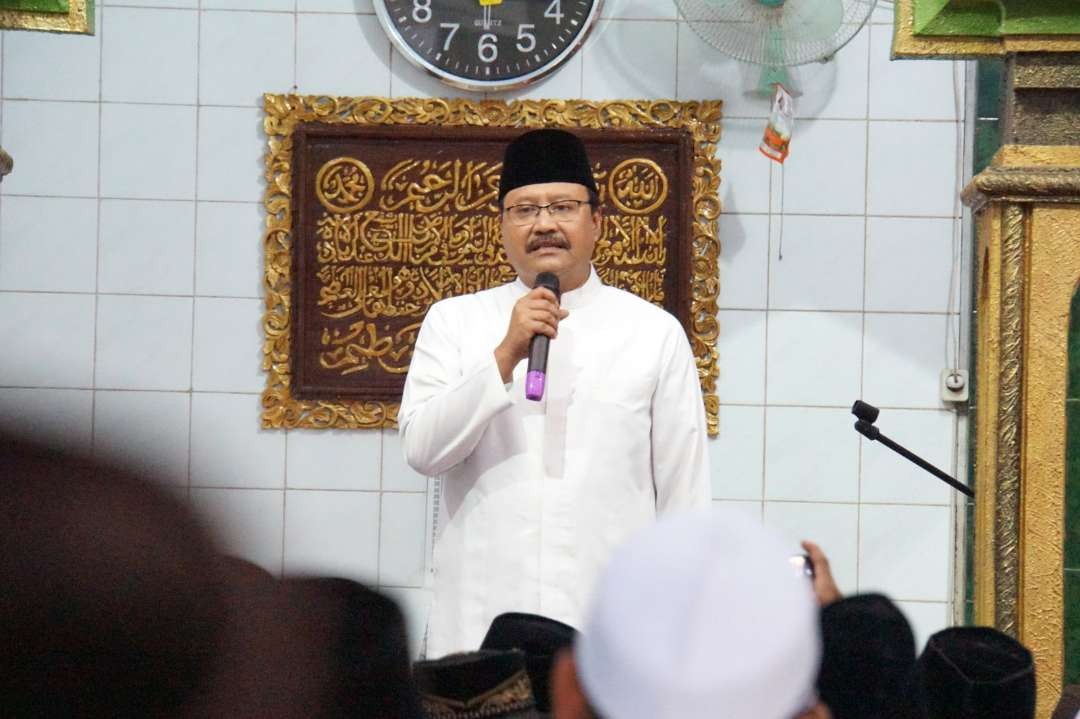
(130, 276)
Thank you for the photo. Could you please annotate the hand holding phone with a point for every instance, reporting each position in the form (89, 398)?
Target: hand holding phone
(824, 585)
(802, 565)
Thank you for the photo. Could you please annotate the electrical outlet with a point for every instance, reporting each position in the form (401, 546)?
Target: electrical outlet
(954, 385)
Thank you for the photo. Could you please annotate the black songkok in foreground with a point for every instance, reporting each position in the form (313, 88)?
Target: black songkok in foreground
(868, 659)
(540, 638)
(977, 673)
(545, 156)
(475, 685)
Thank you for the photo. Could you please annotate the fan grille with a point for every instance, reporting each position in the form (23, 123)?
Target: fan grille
(791, 33)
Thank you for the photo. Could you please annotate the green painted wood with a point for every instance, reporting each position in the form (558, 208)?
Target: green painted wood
(57, 6)
(1040, 17)
(925, 12)
(1073, 391)
(995, 18)
(958, 18)
(1072, 485)
(990, 86)
(1072, 501)
(1072, 626)
(987, 142)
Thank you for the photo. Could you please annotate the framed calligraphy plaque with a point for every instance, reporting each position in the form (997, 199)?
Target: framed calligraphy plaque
(379, 208)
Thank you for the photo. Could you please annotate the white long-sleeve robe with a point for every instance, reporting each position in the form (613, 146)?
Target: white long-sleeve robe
(535, 495)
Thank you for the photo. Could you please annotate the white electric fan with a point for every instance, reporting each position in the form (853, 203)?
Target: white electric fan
(776, 34)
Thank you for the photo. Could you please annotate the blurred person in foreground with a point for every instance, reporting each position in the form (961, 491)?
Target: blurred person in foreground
(540, 639)
(977, 673)
(485, 684)
(115, 603)
(699, 616)
(868, 660)
(1068, 706)
(868, 652)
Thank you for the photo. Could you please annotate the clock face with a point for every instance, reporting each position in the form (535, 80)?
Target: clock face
(487, 44)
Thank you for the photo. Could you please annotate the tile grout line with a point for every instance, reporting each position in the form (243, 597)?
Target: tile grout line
(296, 47)
(922, 313)
(862, 334)
(100, 36)
(675, 90)
(253, 393)
(285, 454)
(822, 215)
(2, 104)
(258, 105)
(194, 247)
(765, 358)
(284, 502)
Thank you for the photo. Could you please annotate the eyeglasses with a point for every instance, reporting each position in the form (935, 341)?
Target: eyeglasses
(560, 211)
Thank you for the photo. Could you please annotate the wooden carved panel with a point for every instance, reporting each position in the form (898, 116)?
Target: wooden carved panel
(371, 222)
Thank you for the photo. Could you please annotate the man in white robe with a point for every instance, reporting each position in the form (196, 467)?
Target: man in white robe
(536, 494)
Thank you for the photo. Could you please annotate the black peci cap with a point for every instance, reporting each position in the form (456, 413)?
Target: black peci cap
(977, 673)
(547, 155)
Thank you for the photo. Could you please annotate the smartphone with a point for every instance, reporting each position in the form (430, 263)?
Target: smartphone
(802, 564)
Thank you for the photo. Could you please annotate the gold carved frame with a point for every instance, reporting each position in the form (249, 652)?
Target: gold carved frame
(1027, 206)
(280, 410)
(77, 20)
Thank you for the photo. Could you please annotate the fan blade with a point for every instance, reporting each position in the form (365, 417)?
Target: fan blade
(812, 20)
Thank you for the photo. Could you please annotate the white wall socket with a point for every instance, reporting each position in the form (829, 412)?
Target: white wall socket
(954, 385)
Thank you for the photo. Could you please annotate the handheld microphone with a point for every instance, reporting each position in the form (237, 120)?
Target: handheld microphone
(538, 346)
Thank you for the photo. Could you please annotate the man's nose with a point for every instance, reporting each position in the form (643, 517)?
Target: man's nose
(544, 221)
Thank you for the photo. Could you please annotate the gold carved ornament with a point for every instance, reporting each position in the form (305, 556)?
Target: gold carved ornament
(344, 185)
(1028, 212)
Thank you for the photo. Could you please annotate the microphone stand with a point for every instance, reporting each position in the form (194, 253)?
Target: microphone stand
(867, 429)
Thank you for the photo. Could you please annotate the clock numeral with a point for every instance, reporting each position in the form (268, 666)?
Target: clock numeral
(554, 11)
(421, 10)
(526, 40)
(487, 48)
(453, 28)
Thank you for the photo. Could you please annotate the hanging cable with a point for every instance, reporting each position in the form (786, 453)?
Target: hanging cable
(952, 332)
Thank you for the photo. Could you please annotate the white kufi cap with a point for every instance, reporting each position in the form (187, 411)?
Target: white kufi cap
(700, 615)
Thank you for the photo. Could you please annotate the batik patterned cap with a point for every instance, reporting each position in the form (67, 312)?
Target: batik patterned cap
(475, 685)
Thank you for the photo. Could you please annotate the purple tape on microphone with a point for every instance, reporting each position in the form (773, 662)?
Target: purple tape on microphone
(534, 385)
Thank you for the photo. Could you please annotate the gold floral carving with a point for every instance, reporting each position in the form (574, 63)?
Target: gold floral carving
(344, 184)
(1054, 273)
(1010, 377)
(77, 19)
(988, 262)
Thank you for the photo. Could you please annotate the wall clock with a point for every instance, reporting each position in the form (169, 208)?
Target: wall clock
(487, 44)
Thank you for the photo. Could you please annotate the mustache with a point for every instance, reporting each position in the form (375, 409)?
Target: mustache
(547, 240)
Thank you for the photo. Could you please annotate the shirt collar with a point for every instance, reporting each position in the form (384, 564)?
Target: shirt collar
(577, 297)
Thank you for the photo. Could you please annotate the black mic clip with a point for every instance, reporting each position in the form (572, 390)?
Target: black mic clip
(867, 430)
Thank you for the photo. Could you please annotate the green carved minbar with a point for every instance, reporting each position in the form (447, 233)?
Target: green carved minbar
(995, 18)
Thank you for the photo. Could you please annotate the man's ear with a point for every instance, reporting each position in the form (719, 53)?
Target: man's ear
(567, 698)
